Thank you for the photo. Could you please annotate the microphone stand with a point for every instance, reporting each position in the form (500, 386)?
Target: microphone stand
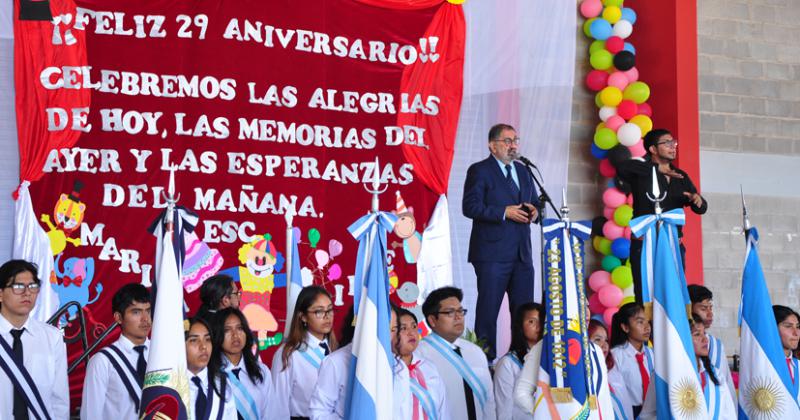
(543, 198)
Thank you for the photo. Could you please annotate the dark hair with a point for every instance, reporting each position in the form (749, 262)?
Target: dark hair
(593, 326)
(214, 367)
(698, 293)
(297, 333)
(10, 269)
(623, 316)
(433, 302)
(218, 337)
(651, 138)
(519, 344)
(348, 327)
(697, 320)
(213, 290)
(782, 312)
(494, 132)
(127, 295)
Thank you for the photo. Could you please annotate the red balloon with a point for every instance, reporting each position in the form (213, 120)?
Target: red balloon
(595, 306)
(615, 44)
(606, 169)
(627, 109)
(596, 80)
(644, 109)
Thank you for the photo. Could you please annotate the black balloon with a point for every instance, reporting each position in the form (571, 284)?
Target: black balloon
(597, 225)
(622, 186)
(618, 154)
(624, 60)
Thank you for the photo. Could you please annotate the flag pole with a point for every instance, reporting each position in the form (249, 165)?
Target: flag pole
(289, 217)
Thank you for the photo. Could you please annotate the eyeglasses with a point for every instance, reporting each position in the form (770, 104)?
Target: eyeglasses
(237, 293)
(668, 143)
(509, 141)
(322, 313)
(19, 288)
(451, 313)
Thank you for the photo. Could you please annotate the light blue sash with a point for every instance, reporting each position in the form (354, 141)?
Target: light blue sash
(713, 406)
(466, 372)
(313, 356)
(425, 399)
(245, 404)
(513, 356)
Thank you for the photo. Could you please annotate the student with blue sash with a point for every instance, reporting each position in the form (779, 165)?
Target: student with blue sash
(633, 359)
(209, 395)
(789, 330)
(526, 330)
(462, 364)
(33, 356)
(112, 387)
(703, 305)
(295, 366)
(328, 398)
(249, 380)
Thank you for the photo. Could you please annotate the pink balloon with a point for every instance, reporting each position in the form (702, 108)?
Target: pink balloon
(595, 306)
(591, 8)
(615, 44)
(614, 122)
(607, 169)
(612, 231)
(613, 198)
(645, 109)
(627, 233)
(627, 109)
(334, 248)
(598, 279)
(618, 80)
(608, 213)
(631, 74)
(596, 80)
(610, 295)
(637, 150)
(322, 258)
(629, 200)
(335, 272)
(608, 315)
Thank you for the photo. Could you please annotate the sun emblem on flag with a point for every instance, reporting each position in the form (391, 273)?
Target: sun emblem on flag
(763, 399)
(686, 400)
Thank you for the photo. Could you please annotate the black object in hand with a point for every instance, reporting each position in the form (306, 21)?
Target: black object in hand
(527, 210)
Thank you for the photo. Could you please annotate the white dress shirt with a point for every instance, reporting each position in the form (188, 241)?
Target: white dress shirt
(615, 382)
(229, 411)
(295, 383)
(434, 384)
(628, 368)
(104, 394)
(328, 397)
(44, 355)
(506, 373)
(262, 392)
(454, 383)
(716, 353)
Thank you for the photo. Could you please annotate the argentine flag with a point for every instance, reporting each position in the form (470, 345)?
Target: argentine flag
(679, 394)
(294, 284)
(764, 380)
(369, 393)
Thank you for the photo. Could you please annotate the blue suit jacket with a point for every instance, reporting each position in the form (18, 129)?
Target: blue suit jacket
(486, 195)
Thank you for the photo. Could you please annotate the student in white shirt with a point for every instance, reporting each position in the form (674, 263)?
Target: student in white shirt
(598, 334)
(209, 396)
(218, 292)
(428, 396)
(703, 305)
(328, 397)
(249, 380)
(42, 349)
(633, 359)
(789, 330)
(526, 331)
(295, 366)
(112, 387)
(469, 397)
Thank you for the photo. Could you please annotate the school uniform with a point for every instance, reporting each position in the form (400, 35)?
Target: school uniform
(623, 409)
(506, 373)
(476, 384)
(219, 402)
(428, 394)
(716, 353)
(44, 358)
(294, 383)
(636, 370)
(794, 370)
(328, 398)
(253, 400)
(719, 402)
(112, 387)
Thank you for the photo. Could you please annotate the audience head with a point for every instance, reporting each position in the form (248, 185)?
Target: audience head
(313, 314)
(20, 287)
(394, 327)
(788, 327)
(702, 303)
(444, 313)
(348, 327)
(408, 334)
(526, 328)
(219, 292)
(599, 335)
(233, 339)
(660, 145)
(131, 308)
(198, 344)
(699, 337)
(503, 142)
(630, 324)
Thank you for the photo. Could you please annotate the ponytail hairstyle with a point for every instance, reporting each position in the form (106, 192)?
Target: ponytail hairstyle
(218, 337)
(623, 316)
(694, 321)
(296, 339)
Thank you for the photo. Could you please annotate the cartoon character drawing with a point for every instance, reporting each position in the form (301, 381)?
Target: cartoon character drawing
(405, 228)
(68, 213)
(76, 277)
(257, 281)
(200, 263)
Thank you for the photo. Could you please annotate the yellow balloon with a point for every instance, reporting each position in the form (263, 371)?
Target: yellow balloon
(612, 14)
(644, 122)
(610, 96)
(602, 124)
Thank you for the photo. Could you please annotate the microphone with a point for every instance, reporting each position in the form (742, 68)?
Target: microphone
(526, 161)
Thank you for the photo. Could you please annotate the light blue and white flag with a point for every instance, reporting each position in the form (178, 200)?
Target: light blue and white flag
(294, 284)
(764, 380)
(679, 394)
(369, 393)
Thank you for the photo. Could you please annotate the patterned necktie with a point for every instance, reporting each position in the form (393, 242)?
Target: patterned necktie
(510, 180)
(141, 364)
(791, 371)
(643, 373)
(468, 396)
(325, 347)
(415, 373)
(20, 408)
(236, 372)
(201, 402)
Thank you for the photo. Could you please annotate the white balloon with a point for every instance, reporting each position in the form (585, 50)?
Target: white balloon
(622, 29)
(607, 112)
(629, 134)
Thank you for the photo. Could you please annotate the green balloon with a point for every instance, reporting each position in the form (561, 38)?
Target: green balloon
(605, 246)
(597, 100)
(626, 300)
(622, 277)
(597, 45)
(313, 237)
(617, 3)
(637, 92)
(605, 138)
(610, 262)
(587, 25)
(602, 60)
(623, 215)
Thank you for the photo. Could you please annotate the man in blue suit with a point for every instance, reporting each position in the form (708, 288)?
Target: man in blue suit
(501, 200)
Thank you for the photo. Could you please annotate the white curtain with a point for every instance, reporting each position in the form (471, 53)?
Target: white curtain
(519, 69)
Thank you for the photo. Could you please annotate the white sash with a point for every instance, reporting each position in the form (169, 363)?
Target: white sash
(443, 347)
(245, 404)
(22, 381)
(125, 371)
